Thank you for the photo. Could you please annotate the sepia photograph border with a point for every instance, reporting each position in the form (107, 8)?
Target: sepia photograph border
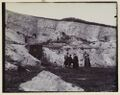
(51, 92)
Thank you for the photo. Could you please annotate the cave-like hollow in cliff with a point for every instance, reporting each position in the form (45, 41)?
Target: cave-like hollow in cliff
(35, 50)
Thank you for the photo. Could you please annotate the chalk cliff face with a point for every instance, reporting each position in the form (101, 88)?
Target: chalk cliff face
(17, 27)
(61, 35)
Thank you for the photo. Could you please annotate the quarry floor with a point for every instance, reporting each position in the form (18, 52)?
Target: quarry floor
(90, 79)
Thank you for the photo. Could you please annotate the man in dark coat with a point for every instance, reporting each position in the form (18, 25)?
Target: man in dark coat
(86, 59)
(75, 61)
(70, 61)
(66, 60)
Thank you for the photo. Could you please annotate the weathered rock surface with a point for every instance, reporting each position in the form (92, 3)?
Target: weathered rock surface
(15, 45)
(59, 35)
(46, 81)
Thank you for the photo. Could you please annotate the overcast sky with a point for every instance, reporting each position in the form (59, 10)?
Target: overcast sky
(95, 12)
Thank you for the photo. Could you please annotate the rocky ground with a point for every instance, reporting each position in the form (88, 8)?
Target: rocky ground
(91, 80)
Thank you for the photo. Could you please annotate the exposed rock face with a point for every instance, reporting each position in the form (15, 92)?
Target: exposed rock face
(15, 47)
(9, 66)
(46, 81)
(60, 35)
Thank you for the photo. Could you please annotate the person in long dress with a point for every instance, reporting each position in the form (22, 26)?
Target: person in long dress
(86, 59)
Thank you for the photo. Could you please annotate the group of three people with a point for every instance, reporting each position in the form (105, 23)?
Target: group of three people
(69, 61)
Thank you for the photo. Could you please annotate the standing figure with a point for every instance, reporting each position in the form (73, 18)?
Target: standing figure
(66, 60)
(70, 60)
(86, 59)
(75, 61)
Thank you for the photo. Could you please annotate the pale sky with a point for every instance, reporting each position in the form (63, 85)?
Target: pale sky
(94, 12)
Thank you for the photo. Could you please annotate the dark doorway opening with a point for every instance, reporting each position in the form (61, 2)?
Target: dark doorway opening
(36, 51)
